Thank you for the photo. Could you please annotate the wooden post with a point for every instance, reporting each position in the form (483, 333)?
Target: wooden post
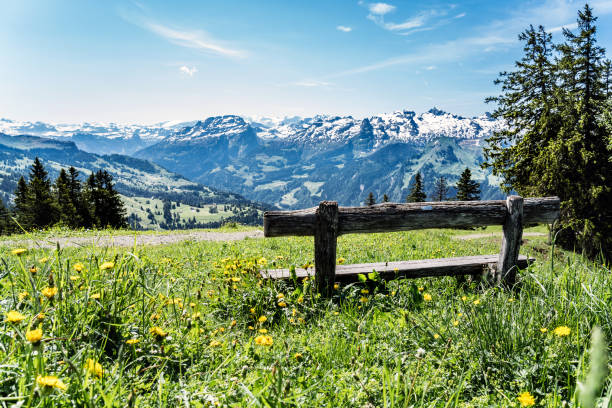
(325, 239)
(511, 242)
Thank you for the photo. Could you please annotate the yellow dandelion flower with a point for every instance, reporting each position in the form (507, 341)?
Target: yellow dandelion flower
(336, 313)
(263, 331)
(459, 314)
(40, 316)
(78, 267)
(51, 381)
(34, 336)
(19, 251)
(363, 299)
(158, 332)
(427, 297)
(233, 323)
(93, 367)
(562, 331)
(14, 316)
(393, 293)
(132, 341)
(364, 291)
(49, 292)
(192, 304)
(215, 343)
(300, 299)
(526, 399)
(107, 265)
(33, 270)
(301, 320)
(436, 336)
(511, 300)
(155, 316)
(252, 310)
(282, 304)
(477, 302)
(464, 298)
(336, 285)
(280, 296)
(263, 340)
(235, 279)
(262, 262)
(341, 261)
(262, 319)
(543, 329)
(23, 295)
(75, 278)
(196, 315)
(43, 260)
(251, 328)
(456, 323)
(95, 296)
(298, 356)
(420, 288)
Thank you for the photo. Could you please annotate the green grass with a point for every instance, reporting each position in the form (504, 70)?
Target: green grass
(371, 345)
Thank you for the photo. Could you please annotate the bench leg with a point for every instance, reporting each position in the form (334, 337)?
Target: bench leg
(511, 242)
(325, 239)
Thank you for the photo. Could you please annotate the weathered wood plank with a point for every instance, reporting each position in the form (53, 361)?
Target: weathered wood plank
(511, 242)
(465, 265)
(390, 217)
(325, 240)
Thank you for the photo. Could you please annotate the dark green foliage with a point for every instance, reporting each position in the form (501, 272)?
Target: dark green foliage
(65, 203)
(106, 206)
(467, 189)
(6, 223)
(440, 189)
(22, 203)
(558, 137)
(385, 198)
(417, 195)
(370, 200)
(42, 207)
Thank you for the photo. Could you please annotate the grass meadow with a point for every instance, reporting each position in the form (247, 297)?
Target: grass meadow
(192, 325)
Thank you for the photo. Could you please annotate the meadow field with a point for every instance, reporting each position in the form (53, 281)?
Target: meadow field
(191, 324)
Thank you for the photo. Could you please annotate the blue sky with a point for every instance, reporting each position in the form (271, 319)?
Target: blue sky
(151, 61)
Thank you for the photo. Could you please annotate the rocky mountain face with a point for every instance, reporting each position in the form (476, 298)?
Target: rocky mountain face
(295, 163)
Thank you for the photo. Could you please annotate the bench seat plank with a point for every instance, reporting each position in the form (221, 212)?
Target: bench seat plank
(465, 265)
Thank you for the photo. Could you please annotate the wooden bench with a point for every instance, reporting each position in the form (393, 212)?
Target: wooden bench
(328, 221)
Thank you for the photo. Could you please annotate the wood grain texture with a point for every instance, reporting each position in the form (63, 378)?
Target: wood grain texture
(465, 265)
(511, 242)
(390, 217)
(325, 241)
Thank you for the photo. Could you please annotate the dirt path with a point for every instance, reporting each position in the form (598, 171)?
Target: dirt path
(496, 235)
(130, 240)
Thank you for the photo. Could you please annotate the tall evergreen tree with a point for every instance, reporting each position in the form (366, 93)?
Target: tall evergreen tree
(370, 200)
(416, 195)
(22, 204)
(467, 189)
(107, 207)
(440, 189)
(43, 210)
(83, 208)
(65, 203)
(385, 198)
(5, 219)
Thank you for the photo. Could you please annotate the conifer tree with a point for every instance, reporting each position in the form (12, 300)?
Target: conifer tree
(385, 198)
(416, 195)
(5, 219)
(107, 207)
(467, 189)
(22, 204)
(42, 208)
(370, 200)
(65, 203)
(440, 189)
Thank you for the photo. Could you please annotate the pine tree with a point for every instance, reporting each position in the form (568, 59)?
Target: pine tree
(65, 203)
(370, 200)
(416, 195)
(83, 208)
(440, 189)
(42, 208)
(107, 207)
(22, 204)
(385, 198)
(467, 189)
(5, 219)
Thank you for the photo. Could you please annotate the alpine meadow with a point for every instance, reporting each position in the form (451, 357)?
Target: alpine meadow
(201, 204)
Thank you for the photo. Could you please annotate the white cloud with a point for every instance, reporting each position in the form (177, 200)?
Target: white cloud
(411, 23)
(344, 29)
(571, 26)
(380, 9)
(188, 71)
(460, 15)
(430, 68)
(192, 39)
(310, 83)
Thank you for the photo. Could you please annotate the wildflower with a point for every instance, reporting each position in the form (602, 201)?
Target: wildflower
(543, 329)
(427, 297)
(392, 293)
(93, 367)
(436, 336)
(95, 296)
(340, 261)
(459, 314)
(33, 270)
(363, 299)
(251, 328)
(477, 302)
(215, 343)
(51, 381)
(49, 293)
(562, 331)
(526, 399)
(19, 251)
(456, 323)
(192, 304)
(75, 278)
(23, 295)
(34, 336)
(262, 262)
(336, 286)
(264, 340)
(301, 320)
(420, 288)
(262, 319)
(235, 279)
(40, 316)
(280, 296)
(107, 265)
(14, 317)
(252, 310)
(155, 316)
(420, 353)
(511, 300)
(132, 341)
(158, 332)
(298, 356)
(300, 299)
(263, 331)
(364, 291)
(282, 304)
(78, 267)
(196, 315)
(233, 323)
(464, 298)
(43, 260)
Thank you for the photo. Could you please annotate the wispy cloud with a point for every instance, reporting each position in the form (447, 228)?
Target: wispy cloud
(188, 71)
(189, 38)
(571, 26)
(344, 29)
(460, 15)
(310, 83)
(380, 9)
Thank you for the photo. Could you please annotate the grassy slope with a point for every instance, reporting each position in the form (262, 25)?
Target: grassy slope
(482, 347)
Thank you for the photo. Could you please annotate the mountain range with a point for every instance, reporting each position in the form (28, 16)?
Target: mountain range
(297, 162)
